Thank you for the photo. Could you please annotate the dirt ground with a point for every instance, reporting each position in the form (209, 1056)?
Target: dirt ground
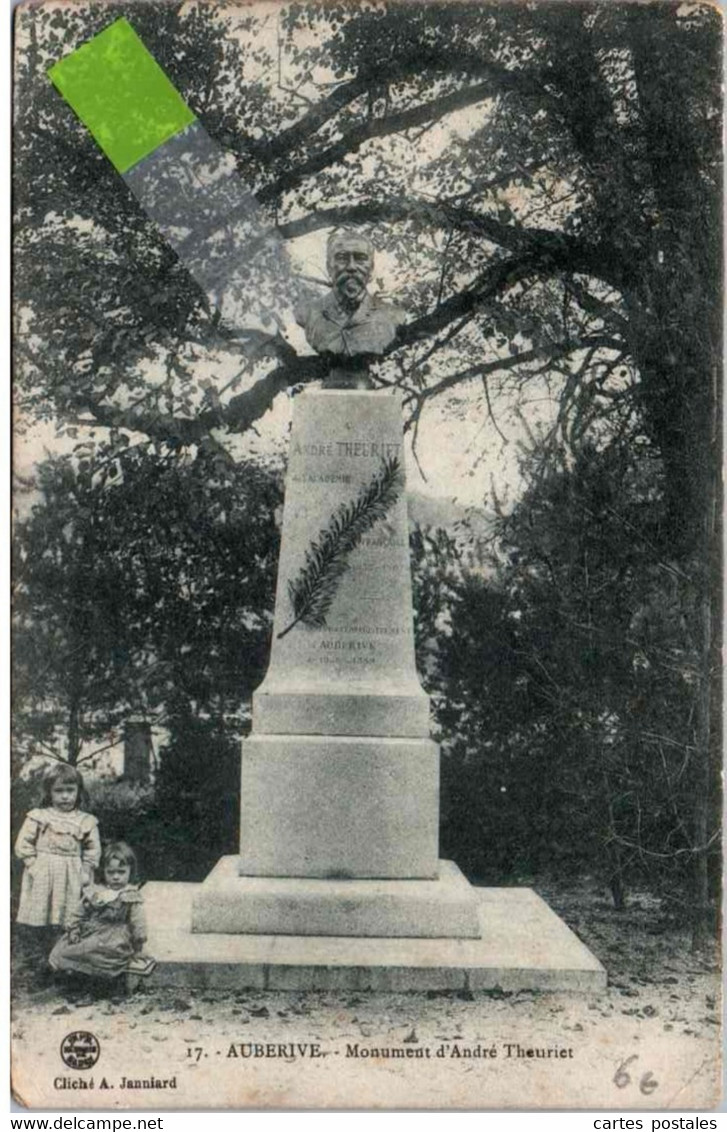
(651, 1040)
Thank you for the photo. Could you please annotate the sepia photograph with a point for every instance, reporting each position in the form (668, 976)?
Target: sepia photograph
(367, 555)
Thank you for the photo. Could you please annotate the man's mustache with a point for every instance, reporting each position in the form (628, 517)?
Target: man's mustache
(358, 273)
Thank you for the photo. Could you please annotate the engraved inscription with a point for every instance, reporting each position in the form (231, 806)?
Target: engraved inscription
(375, 630)
(332, 477)
(362, 448)
(312, 590)
(351, 448)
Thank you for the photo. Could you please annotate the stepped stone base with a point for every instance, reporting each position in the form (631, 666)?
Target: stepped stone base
(302, 906)
(523, 946)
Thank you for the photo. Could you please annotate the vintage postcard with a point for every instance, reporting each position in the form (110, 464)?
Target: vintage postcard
(367, 608)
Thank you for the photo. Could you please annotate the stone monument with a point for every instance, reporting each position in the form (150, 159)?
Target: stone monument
(339, 777)
(338, 882)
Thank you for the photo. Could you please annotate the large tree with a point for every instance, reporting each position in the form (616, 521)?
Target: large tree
(545, 180)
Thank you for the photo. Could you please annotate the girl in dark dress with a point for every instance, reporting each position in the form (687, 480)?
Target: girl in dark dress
(106, 935)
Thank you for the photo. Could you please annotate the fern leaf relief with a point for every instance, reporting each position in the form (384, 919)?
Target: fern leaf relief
(326, 560)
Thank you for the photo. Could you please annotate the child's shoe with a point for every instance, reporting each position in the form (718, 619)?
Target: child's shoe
(142, 965)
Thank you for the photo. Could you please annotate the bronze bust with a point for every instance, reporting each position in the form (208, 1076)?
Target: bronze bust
(348, 323)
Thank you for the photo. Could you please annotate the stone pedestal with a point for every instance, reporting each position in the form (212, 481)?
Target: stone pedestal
(355, 674)
(340, 780)
(522, 945)
(338, 806)
(338, 882)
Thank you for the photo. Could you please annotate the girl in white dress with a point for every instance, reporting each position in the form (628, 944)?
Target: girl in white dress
(60, 848)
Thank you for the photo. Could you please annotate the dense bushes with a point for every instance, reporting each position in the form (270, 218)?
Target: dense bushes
(198, 794)
(565, 686)
(190, 818)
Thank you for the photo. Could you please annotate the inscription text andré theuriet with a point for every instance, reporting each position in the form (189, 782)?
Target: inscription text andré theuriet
(340, 449)
(352, 448)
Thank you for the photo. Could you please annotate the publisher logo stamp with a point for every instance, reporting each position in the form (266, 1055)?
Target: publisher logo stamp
(80, 1049)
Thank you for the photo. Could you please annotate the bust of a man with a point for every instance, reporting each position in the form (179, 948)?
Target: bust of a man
(348, 322)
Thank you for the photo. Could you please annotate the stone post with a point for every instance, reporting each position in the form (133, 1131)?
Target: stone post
(137, 751)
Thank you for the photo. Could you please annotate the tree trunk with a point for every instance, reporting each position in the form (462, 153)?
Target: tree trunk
(615, 859)
(708, 761)
(702, 798)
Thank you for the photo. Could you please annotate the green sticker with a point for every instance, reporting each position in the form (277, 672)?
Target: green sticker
(121, 95)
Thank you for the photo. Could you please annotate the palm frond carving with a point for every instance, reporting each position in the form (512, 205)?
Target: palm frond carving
(326, 560)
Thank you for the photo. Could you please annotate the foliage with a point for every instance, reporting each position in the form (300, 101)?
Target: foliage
(144, 584)
(565, 684)
(436, 564)
(72, 650)
(198, 796)
(567, 224)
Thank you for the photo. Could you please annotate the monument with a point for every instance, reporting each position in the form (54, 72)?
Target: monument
(338, 880)
(339, 777)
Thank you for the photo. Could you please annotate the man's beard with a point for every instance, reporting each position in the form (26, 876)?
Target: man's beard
(351, 287)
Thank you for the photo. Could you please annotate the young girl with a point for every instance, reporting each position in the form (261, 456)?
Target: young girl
(106, 936)
(60, 847)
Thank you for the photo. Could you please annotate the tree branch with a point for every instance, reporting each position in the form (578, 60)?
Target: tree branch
(309, 123)
(422, 58)
(352, 141)
(591, 304)
(483, 369)
(557, 249)
(239, 414)
(497, 278)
